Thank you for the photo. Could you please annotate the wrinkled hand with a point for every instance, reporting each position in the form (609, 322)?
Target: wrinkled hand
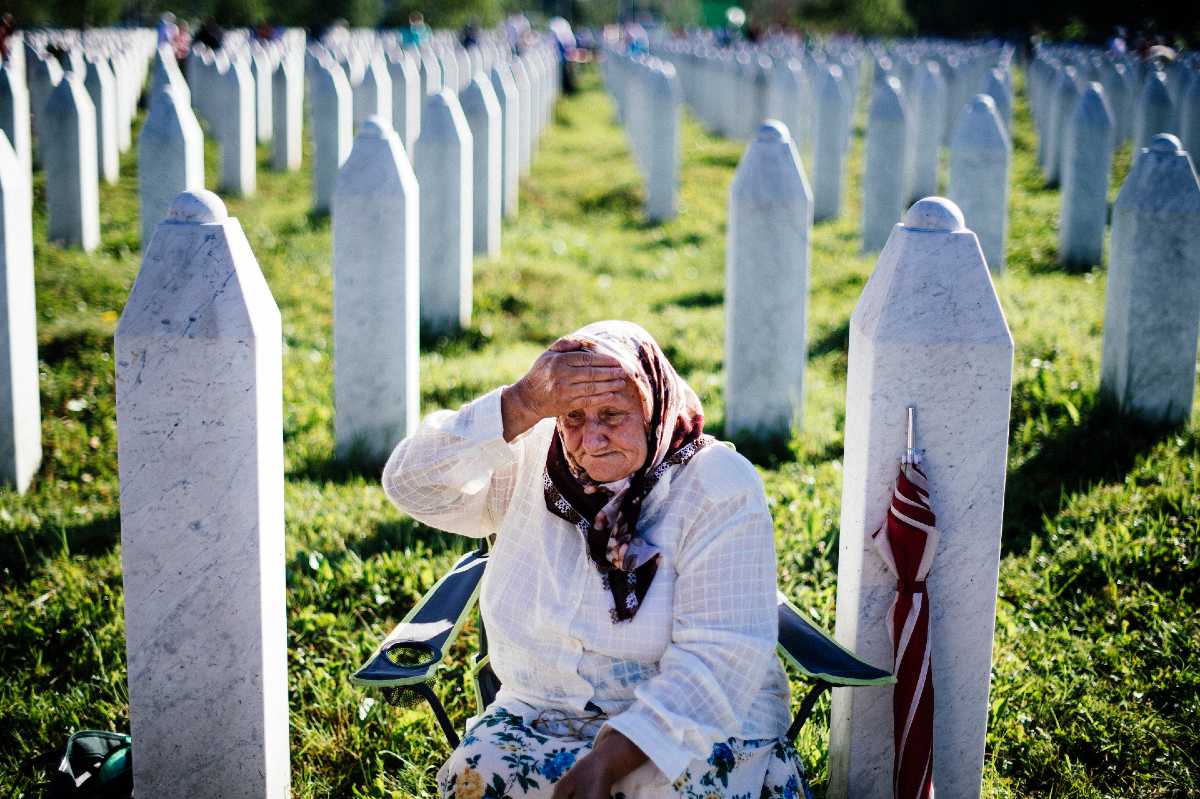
(613, 756)
(563, 378)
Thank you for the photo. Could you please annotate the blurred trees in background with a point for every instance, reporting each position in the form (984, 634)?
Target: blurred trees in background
(1057, 19)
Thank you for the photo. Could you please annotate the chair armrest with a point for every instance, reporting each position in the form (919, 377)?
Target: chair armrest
(427, 630)
(816, 655)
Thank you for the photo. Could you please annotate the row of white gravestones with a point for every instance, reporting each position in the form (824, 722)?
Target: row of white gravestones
(67, 136)
(1086, 167)
(980, 155)
(170, 157)
(650, 96)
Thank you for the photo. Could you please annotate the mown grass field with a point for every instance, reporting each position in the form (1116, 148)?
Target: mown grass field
(1096, 683)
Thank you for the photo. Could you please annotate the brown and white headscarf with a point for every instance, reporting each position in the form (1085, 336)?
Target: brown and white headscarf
(607, 513)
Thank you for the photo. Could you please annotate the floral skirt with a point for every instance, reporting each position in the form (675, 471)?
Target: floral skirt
(504, 755)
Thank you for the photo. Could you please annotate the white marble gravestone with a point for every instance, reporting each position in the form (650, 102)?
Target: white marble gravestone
(20, 405)
(926, 115)
(406, 98)
(44, 75)
(1152, 309)
(331, 129)
(928, 332)
(767, 256)
(883, 174)
(443, 168)
(1062, 105)
(1002, 96)
(980, 156)
(1189, 117)
(235, 129)
(262, 71)
(430, 71)
(170, 158)
(14, 117)
(788, 101)
(510, 138)
(829, 144)
(287, 110)
(525, 105)
(166, 71)
(102, 90)
(660, 86)
(482, 112)
(373, 93)
(200, 453)
(1154, 112)
(376, 289)
(68, 146)
(1086, 165)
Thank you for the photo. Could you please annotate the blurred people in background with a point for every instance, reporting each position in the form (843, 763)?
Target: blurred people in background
(181, 45)
(7, 26)
(568, 52)
(211, 35)
(417, 31)
(468, 36)
(167, 28)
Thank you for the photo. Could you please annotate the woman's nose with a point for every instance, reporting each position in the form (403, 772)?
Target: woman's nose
(594, 437)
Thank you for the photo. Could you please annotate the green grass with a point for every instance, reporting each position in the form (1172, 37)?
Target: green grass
(1096, 682)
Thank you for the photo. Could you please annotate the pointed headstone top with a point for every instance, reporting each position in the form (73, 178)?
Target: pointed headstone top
(373, 127)
(934, 214)
(772, 131)
(199, 207)
(1166, 144)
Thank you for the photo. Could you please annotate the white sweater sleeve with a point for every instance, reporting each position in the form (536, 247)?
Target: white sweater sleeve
(456, 473)
(723, 636)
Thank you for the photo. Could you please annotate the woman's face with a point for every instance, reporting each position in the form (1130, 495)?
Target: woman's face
(608, 440)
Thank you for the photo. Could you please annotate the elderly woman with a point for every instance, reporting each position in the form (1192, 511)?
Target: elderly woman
(630, 598)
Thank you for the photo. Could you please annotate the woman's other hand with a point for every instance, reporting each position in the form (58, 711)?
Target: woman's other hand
(612, 757)
(563, 378)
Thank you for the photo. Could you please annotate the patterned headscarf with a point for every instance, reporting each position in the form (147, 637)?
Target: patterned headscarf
(607, 513)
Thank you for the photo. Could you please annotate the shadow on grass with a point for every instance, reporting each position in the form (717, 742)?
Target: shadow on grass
(21, 551)
(767, 451)
(70, 344)
(692, 239)
(406, 533)
(458, 341)
(1102, 447)
(619, 199)
(835, 340)
(694, 299)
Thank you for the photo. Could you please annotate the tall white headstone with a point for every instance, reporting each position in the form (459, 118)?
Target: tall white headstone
(102, 90)
(406, 98)
(1155, 112)
(926, 115)
(883, 176)
(767, 255)
(170, 158)
(1002, 96)
(660, 86)
(1062, 104)
(373, 93)
(1152, 311)
(510, 138)
(200, 453)
(376, 273)
(68, 145)
(44, 75)
(331, 129)
(526, 106)
(235, 130)
(262, 71)
(829, 144)
(928, 332)
(482, 112)
(14, 117)
(1189, 117)
(287, 109)
(20, 405)
(979, 165)
(1087, 163)
(443, 167)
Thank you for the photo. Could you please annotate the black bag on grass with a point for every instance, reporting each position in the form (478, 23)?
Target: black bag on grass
(96, 765)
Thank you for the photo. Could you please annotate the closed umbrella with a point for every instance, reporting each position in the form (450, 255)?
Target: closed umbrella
(907, 541)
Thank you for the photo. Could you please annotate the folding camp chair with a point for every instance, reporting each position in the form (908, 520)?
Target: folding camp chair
(406, 660)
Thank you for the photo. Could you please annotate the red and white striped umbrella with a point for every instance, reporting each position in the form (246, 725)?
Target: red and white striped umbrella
(907, 542)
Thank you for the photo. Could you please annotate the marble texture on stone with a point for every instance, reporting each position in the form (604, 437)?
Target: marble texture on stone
(510, 138)
(287, 111)
(482, 112)
(829, 144)
(406, 98)
(1087, 163)
(767, 254)
(1152, 308)
(443, 168)
(1154, 112)
(927, 114)
(15, 120)
(980, 160)
(102, 90)
(200, 454)
(20, 403)
(927, 332)
(68, 142)
(376, 273)
(330, 123)
(170, 158)
(884, 197)
(234, 130)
